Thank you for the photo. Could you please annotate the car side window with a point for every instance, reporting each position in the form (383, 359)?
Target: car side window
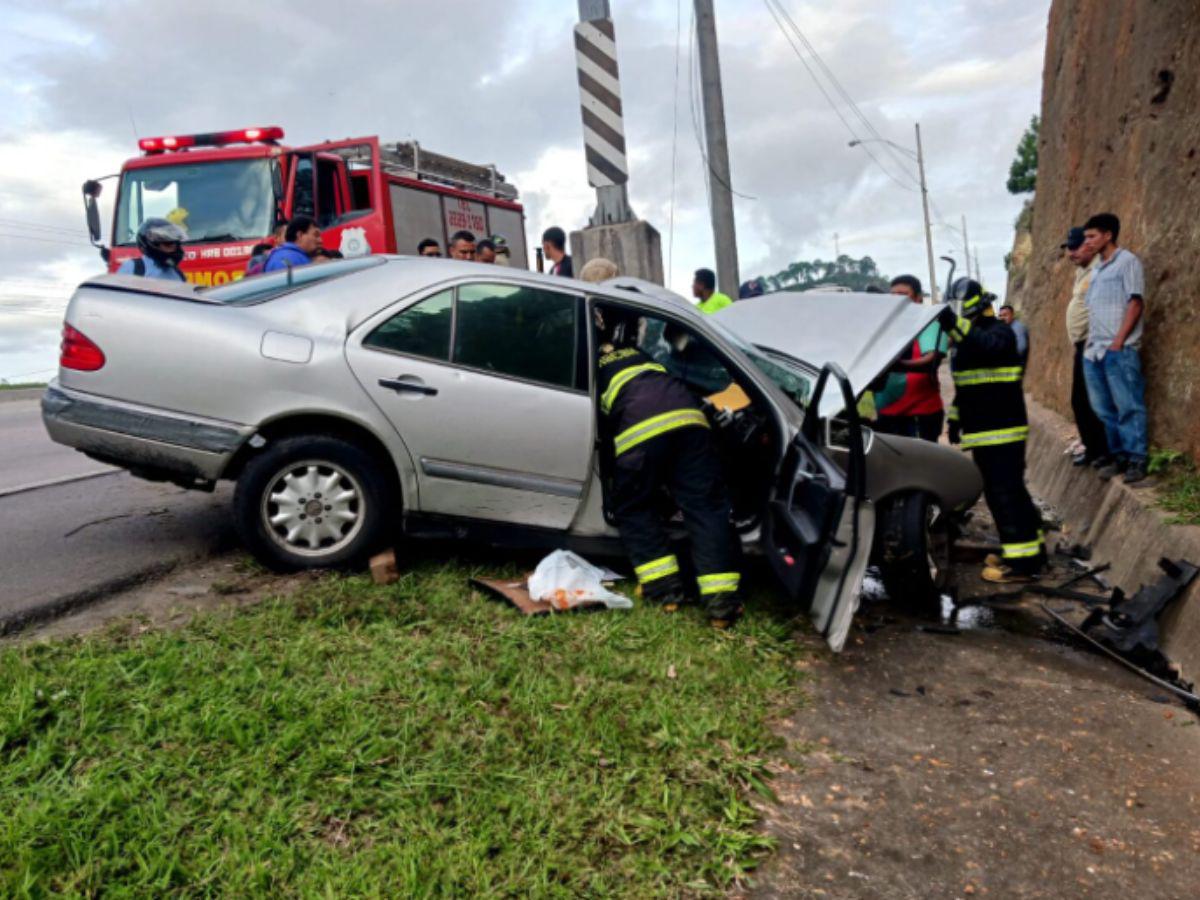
(519, 331)
(683, 355)
(420, 330)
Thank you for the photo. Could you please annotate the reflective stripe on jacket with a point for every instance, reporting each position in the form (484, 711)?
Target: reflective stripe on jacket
(989, 402)
(642, 400)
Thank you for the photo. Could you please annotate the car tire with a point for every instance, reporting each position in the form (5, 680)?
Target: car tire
(913, 541)
(312, 502)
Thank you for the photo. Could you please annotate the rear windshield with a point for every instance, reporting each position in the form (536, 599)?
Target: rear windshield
(261, 288)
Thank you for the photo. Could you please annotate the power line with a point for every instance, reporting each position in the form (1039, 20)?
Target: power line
(842, 92)
(828, 99)
(44, 240)
(18, 223)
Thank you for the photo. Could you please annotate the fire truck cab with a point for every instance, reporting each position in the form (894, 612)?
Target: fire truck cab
(228, 190)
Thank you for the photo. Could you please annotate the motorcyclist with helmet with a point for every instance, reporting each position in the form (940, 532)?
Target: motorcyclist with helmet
(660, 439)
(989, 419)
(161, 245)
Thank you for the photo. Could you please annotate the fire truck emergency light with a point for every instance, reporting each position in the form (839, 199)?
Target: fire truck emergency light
(212, 139)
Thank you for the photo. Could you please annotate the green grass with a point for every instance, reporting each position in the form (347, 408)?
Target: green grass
(1179, 492)
(18, 386)
(399, 741)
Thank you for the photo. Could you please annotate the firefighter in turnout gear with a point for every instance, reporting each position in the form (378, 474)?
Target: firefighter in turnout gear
(988, 418)
(661, 439)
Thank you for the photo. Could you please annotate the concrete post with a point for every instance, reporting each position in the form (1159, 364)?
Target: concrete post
(613, 232)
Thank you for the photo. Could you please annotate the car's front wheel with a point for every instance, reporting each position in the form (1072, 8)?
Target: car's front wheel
(312, 502)
(913, 541)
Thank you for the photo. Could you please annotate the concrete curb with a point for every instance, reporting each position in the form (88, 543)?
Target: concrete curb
(1123, 526)
(22, 394)
(53, 609)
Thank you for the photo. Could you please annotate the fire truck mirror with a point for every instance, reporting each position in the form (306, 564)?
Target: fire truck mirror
(93, 214)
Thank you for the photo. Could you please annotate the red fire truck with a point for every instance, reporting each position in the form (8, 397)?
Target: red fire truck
(228, 189)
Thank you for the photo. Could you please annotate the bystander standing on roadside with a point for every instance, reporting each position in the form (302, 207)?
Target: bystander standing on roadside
(503, 253)
(429, 247)
(1094, 444)
(598, 270)
(1008, 316)
(260, 252)
(1111, 362)
(704, 289)
(918, 411)
(302, 239)
(554, 246)
(485, 252)
(462, 246)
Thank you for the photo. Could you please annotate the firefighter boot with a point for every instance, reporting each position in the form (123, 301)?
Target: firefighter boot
(666, 593)
(1003, 574)
(724, 610)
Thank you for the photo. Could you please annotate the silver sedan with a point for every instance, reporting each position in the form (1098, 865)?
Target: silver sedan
(457, 399)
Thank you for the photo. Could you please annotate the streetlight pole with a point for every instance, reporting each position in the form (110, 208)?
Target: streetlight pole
(920, 158)
(724, 234)
(967, 249)
(933, 291)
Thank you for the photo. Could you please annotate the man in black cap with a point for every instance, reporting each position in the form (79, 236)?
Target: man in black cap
(1091, 429)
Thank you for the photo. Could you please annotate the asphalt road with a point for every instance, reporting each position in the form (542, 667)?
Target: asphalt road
(75, 538)
(28, 456)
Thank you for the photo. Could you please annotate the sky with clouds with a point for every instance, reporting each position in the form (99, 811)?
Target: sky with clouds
(79, 80)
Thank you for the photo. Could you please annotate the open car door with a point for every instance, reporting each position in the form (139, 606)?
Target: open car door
(819, 525)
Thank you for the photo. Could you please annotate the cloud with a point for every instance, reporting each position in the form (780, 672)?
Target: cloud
(501, 89)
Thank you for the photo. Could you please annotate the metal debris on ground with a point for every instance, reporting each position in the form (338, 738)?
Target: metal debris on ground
(1126, 628)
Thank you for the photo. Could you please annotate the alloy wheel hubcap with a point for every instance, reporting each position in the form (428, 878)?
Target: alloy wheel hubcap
(313, 508)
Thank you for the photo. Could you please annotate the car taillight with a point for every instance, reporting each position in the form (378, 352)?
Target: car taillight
(79, 351)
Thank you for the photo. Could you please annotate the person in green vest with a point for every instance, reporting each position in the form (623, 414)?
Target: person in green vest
(704, 289)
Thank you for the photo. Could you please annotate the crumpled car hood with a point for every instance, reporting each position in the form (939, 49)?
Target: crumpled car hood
(862, 333)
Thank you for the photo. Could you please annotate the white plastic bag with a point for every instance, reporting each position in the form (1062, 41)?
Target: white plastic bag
(567, 580)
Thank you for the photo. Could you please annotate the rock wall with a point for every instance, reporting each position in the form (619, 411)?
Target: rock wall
(1121, 133)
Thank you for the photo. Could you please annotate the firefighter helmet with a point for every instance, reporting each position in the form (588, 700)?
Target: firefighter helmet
(617, 326)
(153, 233)
(970, 293)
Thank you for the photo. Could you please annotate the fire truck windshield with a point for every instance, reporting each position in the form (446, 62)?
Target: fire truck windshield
(214, 201)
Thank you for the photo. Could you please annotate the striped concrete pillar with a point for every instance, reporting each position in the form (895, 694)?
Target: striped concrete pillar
(600, 107)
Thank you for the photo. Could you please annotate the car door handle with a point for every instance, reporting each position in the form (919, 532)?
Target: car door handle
(395, 384)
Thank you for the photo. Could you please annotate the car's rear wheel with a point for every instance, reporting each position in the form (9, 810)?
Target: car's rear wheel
(914, 540)
(310, 502)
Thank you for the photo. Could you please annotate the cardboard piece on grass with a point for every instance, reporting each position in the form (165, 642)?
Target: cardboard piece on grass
(517, 593)
(383, 568)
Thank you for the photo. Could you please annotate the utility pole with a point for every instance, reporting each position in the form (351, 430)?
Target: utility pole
(967, 250)
(933, 291)
(719, 180)
(978, 271)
